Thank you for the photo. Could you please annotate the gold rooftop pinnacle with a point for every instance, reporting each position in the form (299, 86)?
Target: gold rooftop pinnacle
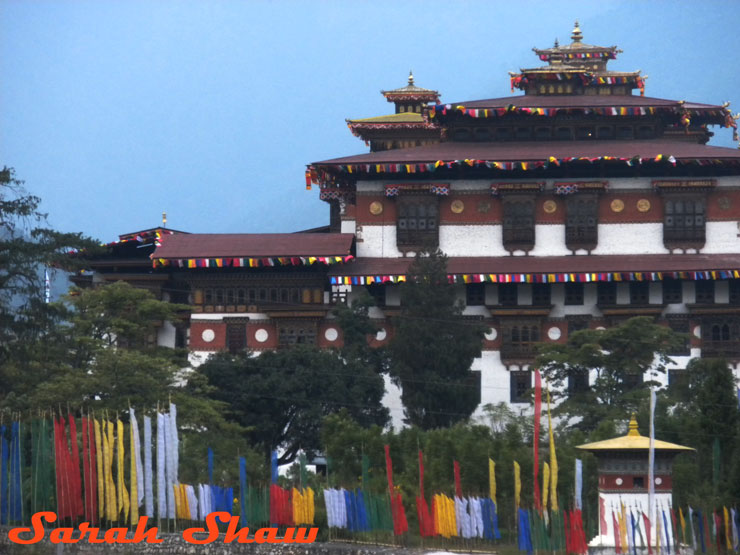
(577, 36)
(633, 426)
(411, 78)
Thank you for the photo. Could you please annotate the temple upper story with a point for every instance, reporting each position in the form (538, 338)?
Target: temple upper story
(577, 68)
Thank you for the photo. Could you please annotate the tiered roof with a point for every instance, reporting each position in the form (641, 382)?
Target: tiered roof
(679, 128)
(404, 128)
(579, 64)
(411, 93)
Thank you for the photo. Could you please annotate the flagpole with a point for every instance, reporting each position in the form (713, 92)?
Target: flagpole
(651, 458)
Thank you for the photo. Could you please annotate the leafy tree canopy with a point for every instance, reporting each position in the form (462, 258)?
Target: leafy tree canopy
(434, 347)
(618, 356)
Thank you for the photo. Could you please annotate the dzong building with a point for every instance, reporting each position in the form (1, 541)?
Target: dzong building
(577, 202)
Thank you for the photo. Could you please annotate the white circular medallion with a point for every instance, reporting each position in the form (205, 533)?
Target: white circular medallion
(331, 334)
(600, 328)
(697, 332)
(658, 481)
(492, 334)
(554, 333)
(261, 335)
(208, 335)
(619, 481)
(381, 335)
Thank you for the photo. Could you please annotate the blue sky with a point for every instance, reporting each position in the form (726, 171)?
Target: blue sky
(114, 111)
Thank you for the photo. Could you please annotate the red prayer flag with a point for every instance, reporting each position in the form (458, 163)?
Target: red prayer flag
(74, 469)
(617, 535)
(458, 486)
(646, 520)
(389, 468)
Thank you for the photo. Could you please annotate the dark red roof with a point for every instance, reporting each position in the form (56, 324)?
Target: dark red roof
(577, 101)
(257, 245)
(551, 264)
(541, 150)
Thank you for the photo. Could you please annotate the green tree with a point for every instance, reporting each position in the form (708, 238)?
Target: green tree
(280, 397)
(26, 246)
(434, 347)
(708, 421)
(102, 354)
(620, 356)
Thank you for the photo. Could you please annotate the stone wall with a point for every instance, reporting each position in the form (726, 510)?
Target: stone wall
(174, 544)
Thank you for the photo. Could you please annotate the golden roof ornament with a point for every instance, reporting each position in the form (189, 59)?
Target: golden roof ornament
(577, 36)
(411, 78)
(633, 431)
(164, 219)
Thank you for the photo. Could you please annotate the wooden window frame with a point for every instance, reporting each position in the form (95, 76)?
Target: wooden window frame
(683, 228)
(704, 291)
(541, 294)
(408, 234)
(639, 293)
(297, 332)
(519, 339)
(672, 296)
(720, 337)
(606, 293)
(517, 380)
(475, 294)
(582, 221)
(518, 228)
(574, 293)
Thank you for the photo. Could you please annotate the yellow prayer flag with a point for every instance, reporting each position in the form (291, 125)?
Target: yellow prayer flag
(623, 525)
(312, 506)
(492, 479)
(683, 524)
(545, 484)
(99, 467)
(123, 502)
(517, 484)
(553, 460)
(728, 536)
(134, 477)
(110, 486)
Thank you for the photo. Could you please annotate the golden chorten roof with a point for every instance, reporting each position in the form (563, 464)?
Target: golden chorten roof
(633, 441)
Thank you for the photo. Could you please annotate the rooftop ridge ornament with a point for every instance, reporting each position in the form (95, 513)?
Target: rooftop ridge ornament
(411, 78)
(633, 431)
(577, 35)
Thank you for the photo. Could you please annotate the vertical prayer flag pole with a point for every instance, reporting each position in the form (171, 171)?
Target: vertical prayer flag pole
(651, 462)
(536, 440)
(553, 460)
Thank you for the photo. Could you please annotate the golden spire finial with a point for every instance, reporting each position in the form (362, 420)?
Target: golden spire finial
(577, 36)
(164, 219)
(633, 426)
(557, 44)
(411, 78)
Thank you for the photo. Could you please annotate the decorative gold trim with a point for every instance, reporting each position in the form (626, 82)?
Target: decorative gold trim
(617, 205)
(457, 206)
(550, 206)
(643, 205)
(376, 208)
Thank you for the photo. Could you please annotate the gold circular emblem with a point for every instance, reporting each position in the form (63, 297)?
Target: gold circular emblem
(723, 203)
(457, 206)
(617, 205)
(643, 205)
(550, 206)
(376, 208)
